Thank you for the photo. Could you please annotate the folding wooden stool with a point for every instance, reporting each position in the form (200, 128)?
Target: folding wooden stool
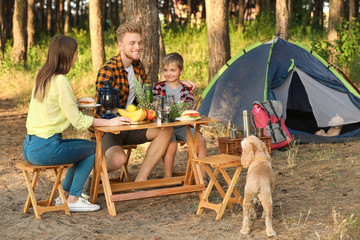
(124, 171)
(220, 163)
(41, 207)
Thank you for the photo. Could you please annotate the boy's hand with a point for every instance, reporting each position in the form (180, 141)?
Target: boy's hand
(189, 84)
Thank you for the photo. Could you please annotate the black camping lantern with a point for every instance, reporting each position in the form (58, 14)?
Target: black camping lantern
(108, 98)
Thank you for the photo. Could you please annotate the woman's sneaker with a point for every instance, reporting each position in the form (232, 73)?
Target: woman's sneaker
(83, 205)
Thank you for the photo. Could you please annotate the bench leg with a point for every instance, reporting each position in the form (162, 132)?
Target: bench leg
(124, 170)
(31, 186)
(228, 192)
(205, 196)
(58, 175)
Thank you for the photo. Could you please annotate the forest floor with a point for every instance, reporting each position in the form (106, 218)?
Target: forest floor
(316, 197)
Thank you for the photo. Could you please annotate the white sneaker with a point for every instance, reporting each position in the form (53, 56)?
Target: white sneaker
(58, 201)
(83, 205)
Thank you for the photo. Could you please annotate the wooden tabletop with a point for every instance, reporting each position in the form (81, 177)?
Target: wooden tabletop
(153, 124)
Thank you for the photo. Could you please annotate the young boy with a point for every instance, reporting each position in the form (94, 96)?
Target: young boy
(173, 68)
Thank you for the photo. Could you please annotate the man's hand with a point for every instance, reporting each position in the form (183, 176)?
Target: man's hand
(189, 84)
(119, 121)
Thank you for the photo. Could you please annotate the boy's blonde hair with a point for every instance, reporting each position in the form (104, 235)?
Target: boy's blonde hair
(174, 58)
(129, 27)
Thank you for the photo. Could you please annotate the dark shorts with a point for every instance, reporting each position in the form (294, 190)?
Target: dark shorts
(124, 138)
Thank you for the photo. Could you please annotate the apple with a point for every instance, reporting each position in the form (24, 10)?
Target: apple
(150, 114)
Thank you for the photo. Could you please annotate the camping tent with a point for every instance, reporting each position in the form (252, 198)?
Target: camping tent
(311, 91)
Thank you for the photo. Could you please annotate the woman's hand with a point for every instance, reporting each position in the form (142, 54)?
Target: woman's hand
(189, 84)
(119, 121)
(98, 122)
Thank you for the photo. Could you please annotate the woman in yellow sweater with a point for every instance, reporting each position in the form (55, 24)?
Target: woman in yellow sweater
(52, 109)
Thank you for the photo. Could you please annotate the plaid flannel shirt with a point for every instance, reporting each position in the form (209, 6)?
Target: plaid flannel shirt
(159, 89)
(114, 71)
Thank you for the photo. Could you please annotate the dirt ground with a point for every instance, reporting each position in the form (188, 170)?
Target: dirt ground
(316, 197)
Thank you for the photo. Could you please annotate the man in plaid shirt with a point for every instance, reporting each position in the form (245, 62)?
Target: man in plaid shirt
(120, 70)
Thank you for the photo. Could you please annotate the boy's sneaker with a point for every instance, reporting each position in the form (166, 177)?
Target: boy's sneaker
(83, 205)
(58, 201)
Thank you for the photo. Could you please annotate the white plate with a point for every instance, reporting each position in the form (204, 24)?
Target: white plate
(186, 120)
(89, 99)
(89, 106)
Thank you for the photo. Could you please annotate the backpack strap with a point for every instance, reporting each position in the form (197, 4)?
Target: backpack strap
(282, 130)
(269, 123)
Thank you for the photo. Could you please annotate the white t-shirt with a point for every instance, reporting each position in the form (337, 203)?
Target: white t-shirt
(131, 74)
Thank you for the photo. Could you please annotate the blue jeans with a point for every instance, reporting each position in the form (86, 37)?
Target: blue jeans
(56, 151)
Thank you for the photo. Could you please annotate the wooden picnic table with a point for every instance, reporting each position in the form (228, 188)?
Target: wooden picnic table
(169, 186)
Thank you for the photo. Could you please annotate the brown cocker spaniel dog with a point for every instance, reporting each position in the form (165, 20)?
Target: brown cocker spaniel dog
(260, 182)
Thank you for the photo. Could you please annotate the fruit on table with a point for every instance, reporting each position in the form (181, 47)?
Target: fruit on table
(131, 108)
(135, 116)
(150, 114)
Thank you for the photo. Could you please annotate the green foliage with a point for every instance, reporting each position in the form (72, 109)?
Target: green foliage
(191, 43)
(261, 28)
(347, 49)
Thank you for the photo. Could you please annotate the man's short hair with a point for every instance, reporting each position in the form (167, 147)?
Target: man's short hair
(128, 27)
(174, 58)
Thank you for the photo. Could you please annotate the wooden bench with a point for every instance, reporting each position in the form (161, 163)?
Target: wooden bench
(220, 163)
(41, 207)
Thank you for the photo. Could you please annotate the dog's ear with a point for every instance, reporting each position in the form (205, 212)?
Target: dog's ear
(248, 154)
(266, 152)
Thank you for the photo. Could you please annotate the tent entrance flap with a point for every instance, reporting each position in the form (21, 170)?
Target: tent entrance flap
(327, 102)
(292, 94)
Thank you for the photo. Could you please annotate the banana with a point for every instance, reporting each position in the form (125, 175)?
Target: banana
(144, 114)
(134, 116)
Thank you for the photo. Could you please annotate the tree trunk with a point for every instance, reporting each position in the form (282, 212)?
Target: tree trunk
(283, 18)
(310, 12)
(59, 23)
(268, 5)
(241, 26)
(318, 16)
(122, 13)
(30, 23)
(57, 16)
(112, 14)
(258, 5)
(96, 34)
(352, 12)
(48, 16)
(162, 50)
(144, 12)
(104, 14)
(115, 14)
(76, 15)
(19, 31)
(67, 18)
(218, 35)
(336, 9)
(2, 29)
(41, 14)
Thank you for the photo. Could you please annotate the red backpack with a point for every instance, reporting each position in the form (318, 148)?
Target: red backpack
(267, 115)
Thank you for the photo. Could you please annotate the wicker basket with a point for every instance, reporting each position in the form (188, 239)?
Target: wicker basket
(233, 146)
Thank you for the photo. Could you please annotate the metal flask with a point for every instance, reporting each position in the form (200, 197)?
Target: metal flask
(246, 123)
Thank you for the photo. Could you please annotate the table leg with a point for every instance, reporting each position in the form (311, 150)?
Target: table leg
(107, 190)
(100, 170)
(97, 168)
(192, 168)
